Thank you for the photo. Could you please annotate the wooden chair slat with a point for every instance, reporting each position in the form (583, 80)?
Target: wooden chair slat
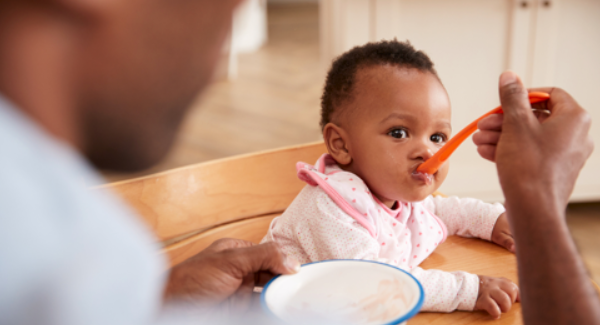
(253, 230)
(205, 195)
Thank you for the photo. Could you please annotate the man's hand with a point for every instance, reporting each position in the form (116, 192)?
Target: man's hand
(531, 155)
(229, 268)
(538, 161)
(502, 235)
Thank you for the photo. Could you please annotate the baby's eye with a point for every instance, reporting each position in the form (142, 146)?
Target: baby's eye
(398, 133)
(438, 138)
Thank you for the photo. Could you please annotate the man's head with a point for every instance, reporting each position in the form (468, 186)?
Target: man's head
(134, 68)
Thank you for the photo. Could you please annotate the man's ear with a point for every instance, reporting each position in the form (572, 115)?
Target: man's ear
(336, 140)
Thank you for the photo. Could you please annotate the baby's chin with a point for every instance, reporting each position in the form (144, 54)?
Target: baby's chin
(417, 195)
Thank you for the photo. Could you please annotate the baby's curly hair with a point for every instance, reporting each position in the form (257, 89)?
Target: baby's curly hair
(340, 78)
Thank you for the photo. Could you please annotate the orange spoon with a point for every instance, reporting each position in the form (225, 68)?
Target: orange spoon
(433, 164)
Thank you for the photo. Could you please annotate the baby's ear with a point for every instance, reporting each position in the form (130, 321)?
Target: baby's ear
(336, 140)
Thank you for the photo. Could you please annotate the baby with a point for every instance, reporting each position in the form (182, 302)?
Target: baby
(384, 112)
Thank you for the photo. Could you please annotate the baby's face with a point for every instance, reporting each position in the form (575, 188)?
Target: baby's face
(397, 119)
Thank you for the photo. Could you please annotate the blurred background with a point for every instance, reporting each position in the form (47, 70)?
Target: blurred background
(267, 88)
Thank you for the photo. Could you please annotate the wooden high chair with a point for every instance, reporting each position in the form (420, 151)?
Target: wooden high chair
(190, 207)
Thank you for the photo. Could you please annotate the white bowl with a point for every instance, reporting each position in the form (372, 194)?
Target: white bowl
(344, 292)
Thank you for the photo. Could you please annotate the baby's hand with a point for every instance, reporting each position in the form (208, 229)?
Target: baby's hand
(496, 295)
(502, 235)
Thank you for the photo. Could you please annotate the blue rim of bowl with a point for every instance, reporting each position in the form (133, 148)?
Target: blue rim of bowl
(399, 320)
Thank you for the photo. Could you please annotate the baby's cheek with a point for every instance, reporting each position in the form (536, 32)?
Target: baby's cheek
(395, 188)
(440, 177)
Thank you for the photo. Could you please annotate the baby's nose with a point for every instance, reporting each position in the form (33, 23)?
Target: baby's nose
(424, 153)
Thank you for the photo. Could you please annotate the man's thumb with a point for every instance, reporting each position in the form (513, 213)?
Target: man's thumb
(265, 257)
(513, 97)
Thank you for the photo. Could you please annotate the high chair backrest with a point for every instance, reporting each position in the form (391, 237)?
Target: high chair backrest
(188, 208)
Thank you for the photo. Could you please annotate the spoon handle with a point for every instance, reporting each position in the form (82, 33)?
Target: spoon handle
(435, 162)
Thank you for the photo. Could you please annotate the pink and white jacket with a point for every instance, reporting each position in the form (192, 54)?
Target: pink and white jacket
(336, 217)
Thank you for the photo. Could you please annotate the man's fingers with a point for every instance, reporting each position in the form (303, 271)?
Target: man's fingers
(514, 99)
(264, 257)
(263, 277)
(541, 115)
(560, 103)
(486, 137)
(491, 123)
(544, 105)
(487, 151)
(486, 143)
(557, 96)
(228, 243)
(242, 298)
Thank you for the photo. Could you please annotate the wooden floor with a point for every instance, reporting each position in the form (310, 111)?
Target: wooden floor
(275, 102)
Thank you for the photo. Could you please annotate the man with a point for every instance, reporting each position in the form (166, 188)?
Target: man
(107, 83)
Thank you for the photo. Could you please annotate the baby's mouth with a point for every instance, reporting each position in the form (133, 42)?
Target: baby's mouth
(422, 177)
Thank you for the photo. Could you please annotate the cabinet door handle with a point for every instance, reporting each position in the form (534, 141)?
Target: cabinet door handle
(546, 3)
(524, 4)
